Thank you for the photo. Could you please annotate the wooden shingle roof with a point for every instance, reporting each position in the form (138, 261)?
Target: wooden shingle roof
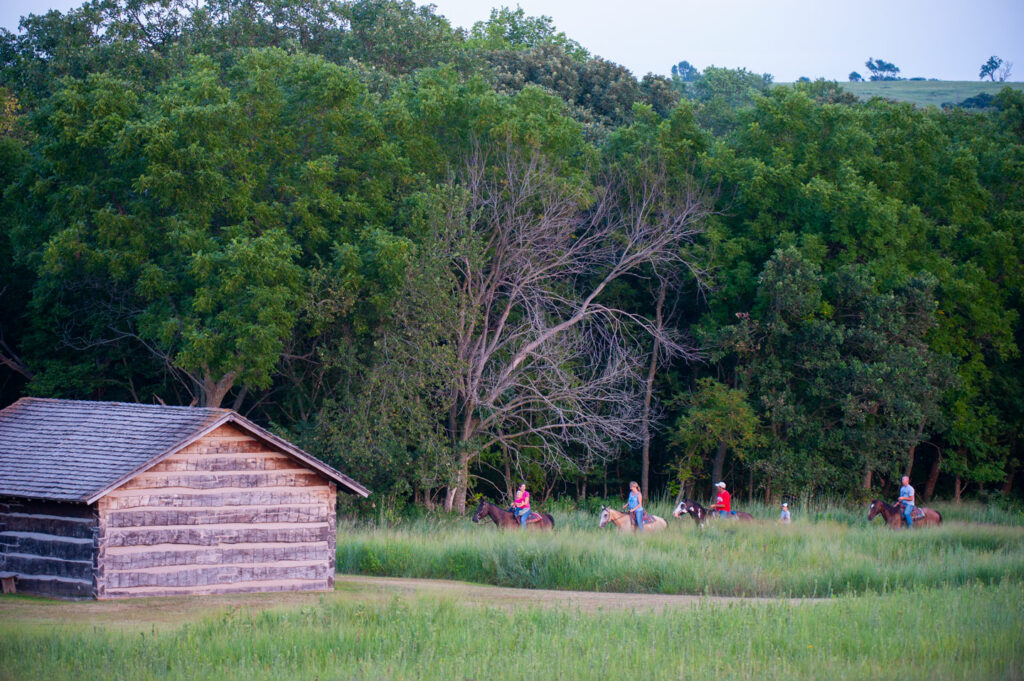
(70, 450)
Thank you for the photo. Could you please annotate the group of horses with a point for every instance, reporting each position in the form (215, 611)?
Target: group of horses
(626, 523)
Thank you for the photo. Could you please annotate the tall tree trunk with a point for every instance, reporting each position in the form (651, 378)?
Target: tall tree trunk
(718, 466)
(453, 425)
(913, 448)
(509, 486)
(867, 478)
(645, 424)
(211, 392)
(958, 487)
(933, 476)
(456, 499)
(1008, 483)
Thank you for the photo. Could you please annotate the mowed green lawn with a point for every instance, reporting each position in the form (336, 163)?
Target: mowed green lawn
(952, 608)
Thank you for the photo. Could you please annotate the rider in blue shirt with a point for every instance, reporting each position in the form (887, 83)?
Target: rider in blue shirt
(907, 497)
(635, 504)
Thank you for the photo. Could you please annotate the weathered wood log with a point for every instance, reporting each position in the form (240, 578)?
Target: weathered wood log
(296, 477)
(228, 574)
(46, 545)
(134, 558)
(59, 587)
(217, 463)
(264, 586)
(212, 535)
(38, 566)
(283, 496)
(219, 515)
(80, 528)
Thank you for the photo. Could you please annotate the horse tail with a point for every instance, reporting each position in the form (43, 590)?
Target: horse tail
(938, 513)
(551, 518)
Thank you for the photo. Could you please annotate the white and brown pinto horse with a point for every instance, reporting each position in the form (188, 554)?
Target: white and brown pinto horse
(695, 510)
(626, 523)
(894, 515)
(701, 514)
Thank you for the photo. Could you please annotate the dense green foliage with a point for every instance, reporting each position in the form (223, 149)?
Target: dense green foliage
(437, 257)
(922, 633)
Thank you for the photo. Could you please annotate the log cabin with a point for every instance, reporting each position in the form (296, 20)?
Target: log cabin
(113, 500)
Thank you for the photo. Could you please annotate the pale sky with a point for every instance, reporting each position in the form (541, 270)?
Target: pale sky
(945, 39)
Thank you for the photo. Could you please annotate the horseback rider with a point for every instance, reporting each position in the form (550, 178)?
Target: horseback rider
(521, 505)
(784, 516)
(907, 499)
(723, 502)
(635, 505)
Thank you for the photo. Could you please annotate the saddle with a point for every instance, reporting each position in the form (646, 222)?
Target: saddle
(916, 514)
(648, 518)
(534, 517)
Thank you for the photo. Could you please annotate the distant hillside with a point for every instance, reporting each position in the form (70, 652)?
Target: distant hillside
(927, 92)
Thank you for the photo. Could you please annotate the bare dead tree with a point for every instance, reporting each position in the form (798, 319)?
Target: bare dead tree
(1004, 71)
(547, 367)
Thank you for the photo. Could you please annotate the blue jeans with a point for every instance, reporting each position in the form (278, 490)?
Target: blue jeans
(522, 514)
(908, 509)
(639, 514)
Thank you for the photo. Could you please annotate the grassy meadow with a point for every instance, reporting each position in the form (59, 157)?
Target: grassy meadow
(937, 604)
(829, 551)
(926, 92)
(969, 632)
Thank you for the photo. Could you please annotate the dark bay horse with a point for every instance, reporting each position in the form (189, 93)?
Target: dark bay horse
(503, 518)
(701, 514)
(894, 515)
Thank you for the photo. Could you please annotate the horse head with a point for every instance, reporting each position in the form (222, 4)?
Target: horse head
(874, 509)
(605, 517)
(479, 512)
(684, 506)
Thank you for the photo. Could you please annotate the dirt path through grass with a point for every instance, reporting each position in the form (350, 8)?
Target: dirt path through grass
(172, 611)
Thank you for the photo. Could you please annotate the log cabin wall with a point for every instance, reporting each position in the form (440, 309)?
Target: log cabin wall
(50, 547)
(225, 514)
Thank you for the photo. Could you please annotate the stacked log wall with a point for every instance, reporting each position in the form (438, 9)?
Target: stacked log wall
(225, 514)
(48, 547)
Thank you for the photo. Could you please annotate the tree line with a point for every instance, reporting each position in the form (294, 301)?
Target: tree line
(445, 260)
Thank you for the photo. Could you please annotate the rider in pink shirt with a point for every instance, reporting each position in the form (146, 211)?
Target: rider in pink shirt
(521, 505)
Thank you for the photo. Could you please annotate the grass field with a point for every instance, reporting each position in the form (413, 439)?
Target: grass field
(970, 632)
(926, 92)
(938, 604)
(834, 552)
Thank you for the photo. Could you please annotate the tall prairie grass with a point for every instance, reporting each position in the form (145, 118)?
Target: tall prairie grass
(970, 632)
(833, 552)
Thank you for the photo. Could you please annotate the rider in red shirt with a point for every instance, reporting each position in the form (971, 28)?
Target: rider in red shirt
(723, 502)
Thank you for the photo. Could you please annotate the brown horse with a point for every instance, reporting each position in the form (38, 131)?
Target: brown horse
(505, 519)
(894, 515)
(624, 521)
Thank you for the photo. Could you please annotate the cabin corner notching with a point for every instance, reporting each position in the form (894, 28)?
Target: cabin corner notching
(112, 500)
